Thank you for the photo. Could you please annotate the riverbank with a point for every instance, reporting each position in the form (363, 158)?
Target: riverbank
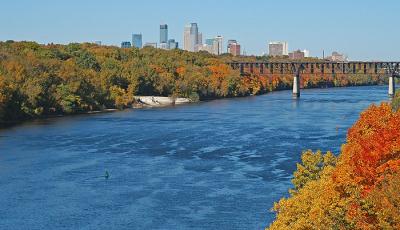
(153, 101)
(76, 78)
(142, 102)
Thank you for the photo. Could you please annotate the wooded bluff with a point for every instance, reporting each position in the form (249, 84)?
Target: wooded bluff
(44, 80)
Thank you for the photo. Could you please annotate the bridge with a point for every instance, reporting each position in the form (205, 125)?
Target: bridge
(391, 69)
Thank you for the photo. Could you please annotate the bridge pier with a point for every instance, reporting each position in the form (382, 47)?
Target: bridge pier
(296, 86)
(392, 86)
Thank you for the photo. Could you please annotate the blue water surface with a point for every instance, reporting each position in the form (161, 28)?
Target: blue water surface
(212, 165)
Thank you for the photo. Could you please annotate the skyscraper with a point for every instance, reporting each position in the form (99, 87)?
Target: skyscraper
(278, 48)
(229, 45)
(191, 37)
(163, 33)
(186, 38)
(194, 36)
(233, 47)
(219, 45)
(137, 40)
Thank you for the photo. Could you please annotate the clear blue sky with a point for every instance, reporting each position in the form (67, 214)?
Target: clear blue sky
(362, 29)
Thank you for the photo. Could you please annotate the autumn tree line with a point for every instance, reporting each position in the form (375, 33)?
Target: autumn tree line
(43, 80)
(359, 189)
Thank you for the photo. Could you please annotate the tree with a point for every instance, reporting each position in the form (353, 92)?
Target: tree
(361, 191)
(311, 167)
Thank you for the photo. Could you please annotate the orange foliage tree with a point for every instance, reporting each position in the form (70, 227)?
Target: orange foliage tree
(361, 191)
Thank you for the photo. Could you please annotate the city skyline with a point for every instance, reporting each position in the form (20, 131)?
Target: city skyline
(361, 31)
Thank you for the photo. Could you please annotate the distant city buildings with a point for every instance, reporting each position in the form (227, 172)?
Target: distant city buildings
(97, 43)
(219, 45)
(164, 37)
(150, 44)
(278, 48)
(191, 41)
(164, 46)
(137, 40)
(207, 46)
(295, 55)
(231, 41)
(172, 44)
(213, 45)
(306, 53)
(163, 33)
(200, 39)
(337, 57)
(126, 45)
(233, 48)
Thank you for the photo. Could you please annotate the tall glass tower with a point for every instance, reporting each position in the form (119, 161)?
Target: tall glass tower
(194, 36)
(163, 33)
(137, 40)
(191, 37)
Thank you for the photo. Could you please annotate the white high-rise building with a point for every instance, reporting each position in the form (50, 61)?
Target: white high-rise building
(306, 53)
(186, 38)
(219, 45)
(278, 48)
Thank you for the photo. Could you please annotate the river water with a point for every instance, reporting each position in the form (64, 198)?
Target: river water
(212, 165)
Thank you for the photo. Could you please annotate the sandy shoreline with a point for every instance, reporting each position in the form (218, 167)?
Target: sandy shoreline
(152, 101)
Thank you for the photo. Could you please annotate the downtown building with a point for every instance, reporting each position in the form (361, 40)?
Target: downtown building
(299, 54)
(165, 43)
(337, 57)
(150, 44)
(213, 45)
(126, 44)
(296, 55)
(233, 48)
(164, 37)
(137, 40)
(172, 44)
(278, 48)
(192, 39)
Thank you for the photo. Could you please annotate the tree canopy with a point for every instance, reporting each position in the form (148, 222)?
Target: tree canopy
(39, 80)
(359, 189)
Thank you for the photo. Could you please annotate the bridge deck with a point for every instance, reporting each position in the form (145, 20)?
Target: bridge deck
(321, 67)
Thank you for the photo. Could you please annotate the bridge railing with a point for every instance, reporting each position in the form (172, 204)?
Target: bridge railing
(391, 69)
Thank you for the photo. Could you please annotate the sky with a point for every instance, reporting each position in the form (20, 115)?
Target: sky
(361, 29)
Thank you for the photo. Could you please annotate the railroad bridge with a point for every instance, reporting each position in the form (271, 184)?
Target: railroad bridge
(391, 69)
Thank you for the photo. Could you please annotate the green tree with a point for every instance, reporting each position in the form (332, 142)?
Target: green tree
(311, 167)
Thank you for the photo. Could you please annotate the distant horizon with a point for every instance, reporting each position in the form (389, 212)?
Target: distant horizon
(363, 27)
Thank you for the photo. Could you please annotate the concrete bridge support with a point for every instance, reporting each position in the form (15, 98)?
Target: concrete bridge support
(296, 86)
(392, 86)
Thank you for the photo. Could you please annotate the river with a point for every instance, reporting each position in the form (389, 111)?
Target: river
(213, 165)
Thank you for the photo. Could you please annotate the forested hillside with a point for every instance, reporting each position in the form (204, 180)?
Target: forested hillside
(40, 80)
